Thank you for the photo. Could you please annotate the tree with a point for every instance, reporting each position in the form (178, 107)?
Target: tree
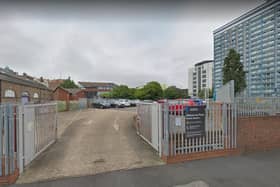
(201, 93)
(139, 93)
(151, 91)
(184, 93)
(233, 70)
(171, 93)
(131, 94)
(174, 93)
(121, 92)
(68, 83)
(107, 95)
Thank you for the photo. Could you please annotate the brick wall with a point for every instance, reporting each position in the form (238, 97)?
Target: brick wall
(258, 133)
(44, 95)
(61, 95)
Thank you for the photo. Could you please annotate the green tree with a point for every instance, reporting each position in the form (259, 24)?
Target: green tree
(139, 93)
(233, 70)
(201, 93)
(174, 93)
(107, 95)
(184, 93)
(152, 91)
(121, 92)
(131, 94)
(68, 83)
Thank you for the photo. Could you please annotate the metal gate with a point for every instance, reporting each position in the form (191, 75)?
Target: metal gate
(149, 124)
(219, 133)
(9, 125)
(39, 129)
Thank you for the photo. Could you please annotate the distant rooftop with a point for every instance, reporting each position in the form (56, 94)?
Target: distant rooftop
(249, 13)
(204, 62)
(96, 84)
(11, 76)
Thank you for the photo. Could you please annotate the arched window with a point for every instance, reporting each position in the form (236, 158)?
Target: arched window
(36, 96)
(26, 94)
(10, 93)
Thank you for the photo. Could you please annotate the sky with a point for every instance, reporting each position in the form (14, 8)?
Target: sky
(124, 43)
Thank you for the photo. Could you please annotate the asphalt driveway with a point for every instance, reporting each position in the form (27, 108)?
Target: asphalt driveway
(90, 142)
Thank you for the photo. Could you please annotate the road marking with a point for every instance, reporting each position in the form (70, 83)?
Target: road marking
(88, 122)
(116, 125)
(194, 184)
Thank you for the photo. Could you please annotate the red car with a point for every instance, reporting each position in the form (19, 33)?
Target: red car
(178, 106)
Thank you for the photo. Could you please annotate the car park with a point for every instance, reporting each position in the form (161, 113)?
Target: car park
(124, 103)
(101, 104)
(133, 103)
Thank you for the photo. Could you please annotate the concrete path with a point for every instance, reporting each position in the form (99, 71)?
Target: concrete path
(256, 170)
(90, 142)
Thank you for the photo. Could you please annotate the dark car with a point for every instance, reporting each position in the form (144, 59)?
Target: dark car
(101, 105)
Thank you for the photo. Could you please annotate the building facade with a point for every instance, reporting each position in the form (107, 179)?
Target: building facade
(256, 37)
(65, 94)
(200, 77)
(95, 89)
(17, 89)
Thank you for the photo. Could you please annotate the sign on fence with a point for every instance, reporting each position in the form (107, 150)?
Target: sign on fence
(195, 121)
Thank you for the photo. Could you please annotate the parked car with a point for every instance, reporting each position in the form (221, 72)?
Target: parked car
(124, 103)
(116, 103)
(101, 104)
(133, 103)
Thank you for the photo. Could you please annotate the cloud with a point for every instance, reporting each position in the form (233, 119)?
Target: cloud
(88, 47)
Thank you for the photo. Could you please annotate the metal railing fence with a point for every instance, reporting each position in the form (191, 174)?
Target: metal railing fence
(257, 106)
(9, 124)
(220, 130)
(25, 131)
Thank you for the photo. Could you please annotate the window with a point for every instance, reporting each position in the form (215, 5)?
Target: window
(36, 96)
(10, 93)
(25, 94)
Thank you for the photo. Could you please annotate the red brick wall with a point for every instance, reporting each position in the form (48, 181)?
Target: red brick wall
(258, 133)
(61, 95)
(81, 94)
(78, 95)
(199, 156)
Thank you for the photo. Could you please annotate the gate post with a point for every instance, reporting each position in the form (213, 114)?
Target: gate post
(166, 129)
(20, 138)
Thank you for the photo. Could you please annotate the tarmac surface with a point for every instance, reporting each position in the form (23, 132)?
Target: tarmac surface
(256, 170)
(89, 142)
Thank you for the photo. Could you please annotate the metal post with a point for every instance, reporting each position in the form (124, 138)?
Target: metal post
(166, 129)
(1, 142)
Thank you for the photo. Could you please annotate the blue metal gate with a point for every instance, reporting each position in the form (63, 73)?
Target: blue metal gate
(9, 125)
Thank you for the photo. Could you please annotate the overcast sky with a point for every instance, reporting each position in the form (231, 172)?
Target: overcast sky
(122, 43)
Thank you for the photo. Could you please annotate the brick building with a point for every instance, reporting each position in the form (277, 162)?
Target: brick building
(95, 89)
(21, 89)
(63, 94)
(53, 84)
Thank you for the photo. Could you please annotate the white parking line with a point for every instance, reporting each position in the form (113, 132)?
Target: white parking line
(116, 125)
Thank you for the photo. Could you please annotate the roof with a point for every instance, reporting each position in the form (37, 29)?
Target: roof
(204, 62)
(96, 84)
(69, 90)
(53, 84)
(14, 78)
(73, 90)
(246, 15)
